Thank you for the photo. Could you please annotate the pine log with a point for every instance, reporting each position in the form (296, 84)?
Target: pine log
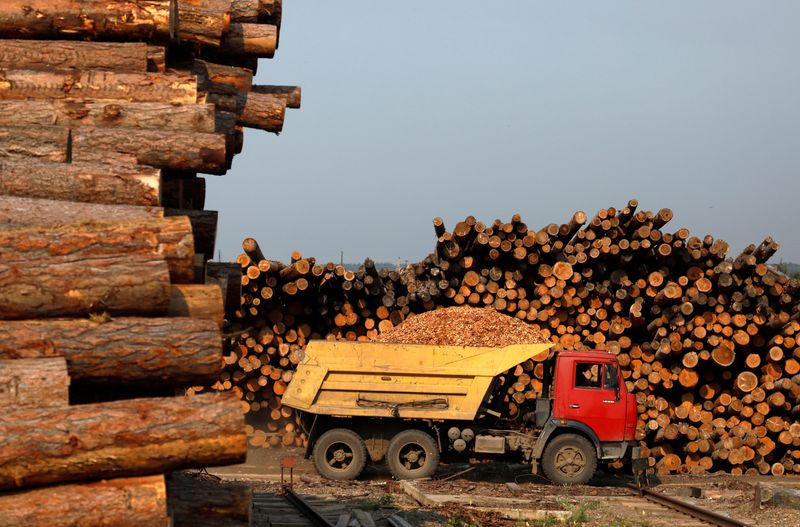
(138, 231)
(197, 301)
(81, 182)
(253, 110)
(156, 58)
(29, 212)
(197, 501)
(33, 383)
(121, 20)
(245, 10)
(64, 271)
(163, 149)
(291, 94)
(204, 229)
(120, 438)
(260, 40)
(121, 502)
(212, 75)
(174, 351)
(203, 21)
(49, 143)
(171, 88)
(65, 54)
(109, 114)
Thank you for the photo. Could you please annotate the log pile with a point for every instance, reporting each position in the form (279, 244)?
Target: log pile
(110, 112)
(707, 342)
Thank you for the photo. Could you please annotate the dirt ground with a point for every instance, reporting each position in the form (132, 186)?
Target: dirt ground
(482, 495)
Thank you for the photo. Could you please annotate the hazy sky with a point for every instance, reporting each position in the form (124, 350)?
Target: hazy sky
(456, 107)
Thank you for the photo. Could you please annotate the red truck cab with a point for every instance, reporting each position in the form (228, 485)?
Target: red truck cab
(586, 415)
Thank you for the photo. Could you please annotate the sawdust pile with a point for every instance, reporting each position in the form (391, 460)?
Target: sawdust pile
(463, 326)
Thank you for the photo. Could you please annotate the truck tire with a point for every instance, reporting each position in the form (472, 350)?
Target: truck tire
(412, 454)
(339, 454)
(569, 459)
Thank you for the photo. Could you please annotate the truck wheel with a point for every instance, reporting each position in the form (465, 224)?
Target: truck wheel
(412, 454)
(339, 454)
(569, 459)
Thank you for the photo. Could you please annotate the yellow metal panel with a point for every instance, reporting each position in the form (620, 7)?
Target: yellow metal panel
(398, 378)
(304, 387)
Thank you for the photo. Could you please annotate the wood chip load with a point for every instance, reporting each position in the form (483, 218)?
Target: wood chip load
(110, 114)
(709, 343)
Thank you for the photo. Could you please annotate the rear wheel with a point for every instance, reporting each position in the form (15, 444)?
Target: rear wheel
(340, 454)
(569, 459)
(412, 454)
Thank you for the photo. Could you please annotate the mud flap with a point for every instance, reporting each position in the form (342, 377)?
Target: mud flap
(639, 467)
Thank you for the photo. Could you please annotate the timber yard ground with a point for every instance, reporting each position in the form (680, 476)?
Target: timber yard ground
(491, 494)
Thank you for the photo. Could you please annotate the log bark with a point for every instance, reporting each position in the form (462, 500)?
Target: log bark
(121, 438)
(203, 21)
(63, 271)
(260, 40)
(122, 502)
(197, 501)
(33, 383)
(293, 95)
(245, 10)
(254, 110)
(48, 143)
(106, 114)
(197, 301)
(146, 230)
(122, 20)
(65, 54)
(175, 150)
(81, 182)
(172, 88)
(175, 351)
(29, 212)
(211, 75)
(204, 229)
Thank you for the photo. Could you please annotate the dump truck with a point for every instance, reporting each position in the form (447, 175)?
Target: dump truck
(412, 405)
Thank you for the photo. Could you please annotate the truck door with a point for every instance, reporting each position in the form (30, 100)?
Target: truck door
(591, 397)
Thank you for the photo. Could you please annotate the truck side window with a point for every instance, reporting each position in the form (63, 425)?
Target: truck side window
(610, 377)
(587, 375)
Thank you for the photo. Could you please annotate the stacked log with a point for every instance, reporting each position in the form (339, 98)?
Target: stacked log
(110, 112)
(707, 342)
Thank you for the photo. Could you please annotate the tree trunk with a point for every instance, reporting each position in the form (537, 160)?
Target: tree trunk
(48, 143)
(163, 149)
(197, 301)
(204, 229)
(260, 40)
(31, 212)
(105, 114)
(197, 501)
(203, 21)
(121, 20)
(120, 438)
(245, 10)
(33, 383)
(173, 351)
(146, 233)
(171, 88)
(64, 271)
(210, 74)
(121, 502)
(82, 182)
(291, 94)
(64, 55)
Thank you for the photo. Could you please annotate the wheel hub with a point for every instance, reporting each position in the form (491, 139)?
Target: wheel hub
(339, 456)
(570, 461)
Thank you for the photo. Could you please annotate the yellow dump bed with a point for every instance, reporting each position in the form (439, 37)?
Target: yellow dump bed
(400, 380)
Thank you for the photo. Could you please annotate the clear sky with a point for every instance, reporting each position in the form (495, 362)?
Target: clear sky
(454, 107)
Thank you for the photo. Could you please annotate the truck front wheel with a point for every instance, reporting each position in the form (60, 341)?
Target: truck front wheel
(569, 459)
(339, 454)
(412, 454)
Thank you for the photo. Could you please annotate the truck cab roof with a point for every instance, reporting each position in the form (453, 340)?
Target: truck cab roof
(586, 354)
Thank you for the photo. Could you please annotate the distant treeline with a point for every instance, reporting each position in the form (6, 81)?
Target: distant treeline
(788, 268)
